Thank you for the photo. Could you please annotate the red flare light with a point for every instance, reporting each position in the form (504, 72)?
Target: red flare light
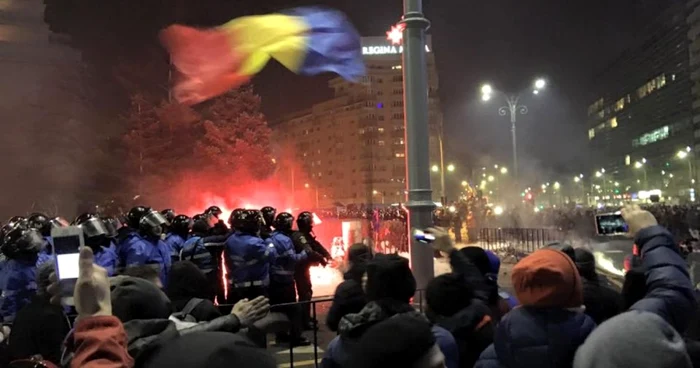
(395, 34)
(224, 275)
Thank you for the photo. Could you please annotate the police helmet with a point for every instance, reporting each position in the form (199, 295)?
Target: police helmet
(112, 225)
(95, 233)
(284, 222)
(40, 222)
(151, 223)
(214, 211)
(181, 225)
(22, 242)
(133, 218)
(57, 222)
(249, 221)
(17, 219)
(169, 214)
(305, 221)
(268, 214)
(235, 217)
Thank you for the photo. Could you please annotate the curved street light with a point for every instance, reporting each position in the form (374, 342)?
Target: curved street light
(512, 108)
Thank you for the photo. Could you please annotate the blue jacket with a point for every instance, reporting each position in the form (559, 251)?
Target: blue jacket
(534, 337)
(248, 259)
(159, 255)
(175, 242)
(46, 252)
(669, 290)
(195, 251)
(282, 270)
(18, 285)
(106, 257)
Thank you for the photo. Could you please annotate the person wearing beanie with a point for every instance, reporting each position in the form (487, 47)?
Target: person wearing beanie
(451, 304)
(620, 341)
(500, 301)
(550, 325)
(349, 296)
(135, 298)
(649, 333)
(601, 301)
(389, 287)
(211, 350)
(406, 342)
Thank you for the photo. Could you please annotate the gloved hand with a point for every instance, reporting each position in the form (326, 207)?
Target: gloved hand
(637, 219)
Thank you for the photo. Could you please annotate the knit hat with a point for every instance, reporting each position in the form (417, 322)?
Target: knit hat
(633, 339)
(359, 253)
(211, 350)
(389, 277)
(448, 294)
(547, 278)
(478, 257)
(585, 262)
(399, 341)
(135, 298)
(494, 261)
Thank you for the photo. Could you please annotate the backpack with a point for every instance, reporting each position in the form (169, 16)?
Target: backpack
(184, 315)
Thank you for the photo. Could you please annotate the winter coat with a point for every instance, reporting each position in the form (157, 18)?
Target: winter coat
(472, 329)
(349, 298)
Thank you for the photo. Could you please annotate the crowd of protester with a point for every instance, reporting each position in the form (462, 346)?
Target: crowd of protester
(561, 314)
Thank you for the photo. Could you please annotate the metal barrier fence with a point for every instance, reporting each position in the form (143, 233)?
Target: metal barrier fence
(522, 240)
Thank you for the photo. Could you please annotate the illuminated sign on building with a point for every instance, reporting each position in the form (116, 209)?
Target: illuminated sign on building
(385, 50)
(651, 137)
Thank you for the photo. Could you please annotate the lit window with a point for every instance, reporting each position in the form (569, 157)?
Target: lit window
(591, 133)
(620, 104)
(627, 160)
(381, 143)
(398, 154)
(381, 130)
(600, 126)
(613, 122)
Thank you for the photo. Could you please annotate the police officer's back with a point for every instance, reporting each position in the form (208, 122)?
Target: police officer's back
(178, 235)
(141, 243)
(194, 249)
(21, 246)
(248, 258)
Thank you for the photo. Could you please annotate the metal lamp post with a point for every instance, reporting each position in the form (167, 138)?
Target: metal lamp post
(513, 108)
(420, 204)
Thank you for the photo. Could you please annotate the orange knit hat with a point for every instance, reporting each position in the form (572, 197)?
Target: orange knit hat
(547, 278)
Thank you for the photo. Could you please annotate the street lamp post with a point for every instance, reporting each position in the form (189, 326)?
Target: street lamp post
(420, 204)
(683, 155)
(513, 108)
(640, 165)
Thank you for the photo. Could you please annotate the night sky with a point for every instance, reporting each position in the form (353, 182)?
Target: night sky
(508, 44)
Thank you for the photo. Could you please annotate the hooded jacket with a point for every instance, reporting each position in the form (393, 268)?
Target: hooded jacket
(348, 298)
(353, 326)
(472, 329)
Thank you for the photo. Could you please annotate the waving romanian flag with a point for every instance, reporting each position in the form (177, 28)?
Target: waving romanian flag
(307, 41)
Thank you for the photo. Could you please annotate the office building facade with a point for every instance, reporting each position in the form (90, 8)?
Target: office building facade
(642, 113)
(351, 148)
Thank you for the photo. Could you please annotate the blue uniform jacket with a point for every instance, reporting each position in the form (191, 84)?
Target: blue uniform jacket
(175, 242)
(107, 258)
(136, 250)
(195, 251)
(282, 270)
(46, 252)
(248, 259)
(18, 285)
(159, 255)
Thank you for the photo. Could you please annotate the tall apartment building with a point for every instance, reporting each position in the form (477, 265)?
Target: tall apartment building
(352, 147)
(641, 116)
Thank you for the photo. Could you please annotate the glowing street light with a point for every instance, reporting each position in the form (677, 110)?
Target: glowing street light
(485, 98)
(598, 174)
(464, 183)
(491, 178)
(450, 167)
(540, 84)
(374, 192)
(486, 89)
(556, 185)
(576, 179)
(435, 168)
(504, 170)
(682, 154)
(306, 185)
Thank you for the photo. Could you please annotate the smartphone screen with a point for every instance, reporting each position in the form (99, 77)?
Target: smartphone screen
(611, 224)
(67, 250)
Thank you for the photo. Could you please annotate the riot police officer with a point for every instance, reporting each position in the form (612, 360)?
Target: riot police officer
(218, 227)
(43, 225)
(21, 246)
(304, 239)
(268, 214)
(169, 215)
(96, 236)
(235, 214)
(178, 235)
(140, 242)
(282, 288)
(248, 258)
